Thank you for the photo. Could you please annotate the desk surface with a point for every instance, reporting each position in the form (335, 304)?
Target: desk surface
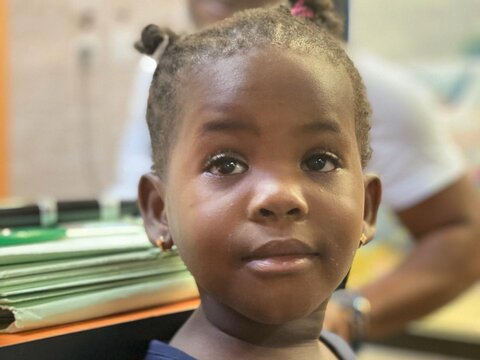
(13, 339)
(126, 336)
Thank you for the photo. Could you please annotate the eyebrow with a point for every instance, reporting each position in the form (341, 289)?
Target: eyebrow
(233, 125)
(230, 125)
(320, 126)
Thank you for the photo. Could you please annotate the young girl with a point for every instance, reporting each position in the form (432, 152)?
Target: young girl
(259, 129)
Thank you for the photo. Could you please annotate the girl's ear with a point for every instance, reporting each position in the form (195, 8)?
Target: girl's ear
(373, 195)
(151, 203)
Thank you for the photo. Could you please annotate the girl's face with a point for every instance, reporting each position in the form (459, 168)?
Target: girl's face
(264, 193)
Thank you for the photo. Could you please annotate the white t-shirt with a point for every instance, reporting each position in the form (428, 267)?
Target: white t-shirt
(412, 151)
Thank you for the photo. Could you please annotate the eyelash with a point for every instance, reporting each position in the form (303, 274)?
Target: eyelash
(325, 157)
(229, 158)
(225, 158)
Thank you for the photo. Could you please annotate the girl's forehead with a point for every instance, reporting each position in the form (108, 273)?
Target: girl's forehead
(268, 72)
(266, 89)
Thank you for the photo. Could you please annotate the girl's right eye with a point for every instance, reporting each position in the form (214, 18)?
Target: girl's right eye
(223, 164)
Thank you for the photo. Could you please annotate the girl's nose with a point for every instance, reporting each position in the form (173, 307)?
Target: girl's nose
(274, 200)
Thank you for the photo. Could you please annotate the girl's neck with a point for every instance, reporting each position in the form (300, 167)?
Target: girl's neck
(217, 332)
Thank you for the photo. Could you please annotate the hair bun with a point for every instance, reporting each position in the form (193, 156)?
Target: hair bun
(154, 40)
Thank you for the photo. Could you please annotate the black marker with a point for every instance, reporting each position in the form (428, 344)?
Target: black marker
(49, 213)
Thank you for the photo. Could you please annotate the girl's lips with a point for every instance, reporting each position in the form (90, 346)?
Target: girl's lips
(282, 265)
(280, 248)
(278, 257)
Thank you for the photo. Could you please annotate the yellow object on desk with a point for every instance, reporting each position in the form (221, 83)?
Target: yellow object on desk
(458, 320)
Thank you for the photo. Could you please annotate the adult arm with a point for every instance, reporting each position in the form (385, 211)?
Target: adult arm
(422, 172)
(443, 263)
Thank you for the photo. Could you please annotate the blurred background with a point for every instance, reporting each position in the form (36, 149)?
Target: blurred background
(70, 68)
(67, 69)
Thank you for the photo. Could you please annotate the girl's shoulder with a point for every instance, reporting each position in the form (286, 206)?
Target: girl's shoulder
(158, 350)
(337, 345)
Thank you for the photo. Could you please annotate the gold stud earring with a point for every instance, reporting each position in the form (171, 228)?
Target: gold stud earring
(164, 245)
(363, 239)
(160, 242)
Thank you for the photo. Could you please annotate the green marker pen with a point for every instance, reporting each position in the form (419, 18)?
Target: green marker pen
(30, 235)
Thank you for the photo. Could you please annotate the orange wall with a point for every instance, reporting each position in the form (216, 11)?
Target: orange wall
(4, 175)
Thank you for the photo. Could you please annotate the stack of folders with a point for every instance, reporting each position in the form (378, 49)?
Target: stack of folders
(90, 271)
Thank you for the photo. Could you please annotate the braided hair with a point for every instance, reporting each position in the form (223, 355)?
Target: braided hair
(313, 31)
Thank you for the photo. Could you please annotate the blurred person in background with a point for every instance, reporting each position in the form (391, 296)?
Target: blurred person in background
(424, 178)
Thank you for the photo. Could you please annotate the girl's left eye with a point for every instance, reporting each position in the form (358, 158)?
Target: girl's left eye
(324, 162)
(222, 165)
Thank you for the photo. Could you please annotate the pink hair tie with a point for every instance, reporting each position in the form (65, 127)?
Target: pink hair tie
(300, 9)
